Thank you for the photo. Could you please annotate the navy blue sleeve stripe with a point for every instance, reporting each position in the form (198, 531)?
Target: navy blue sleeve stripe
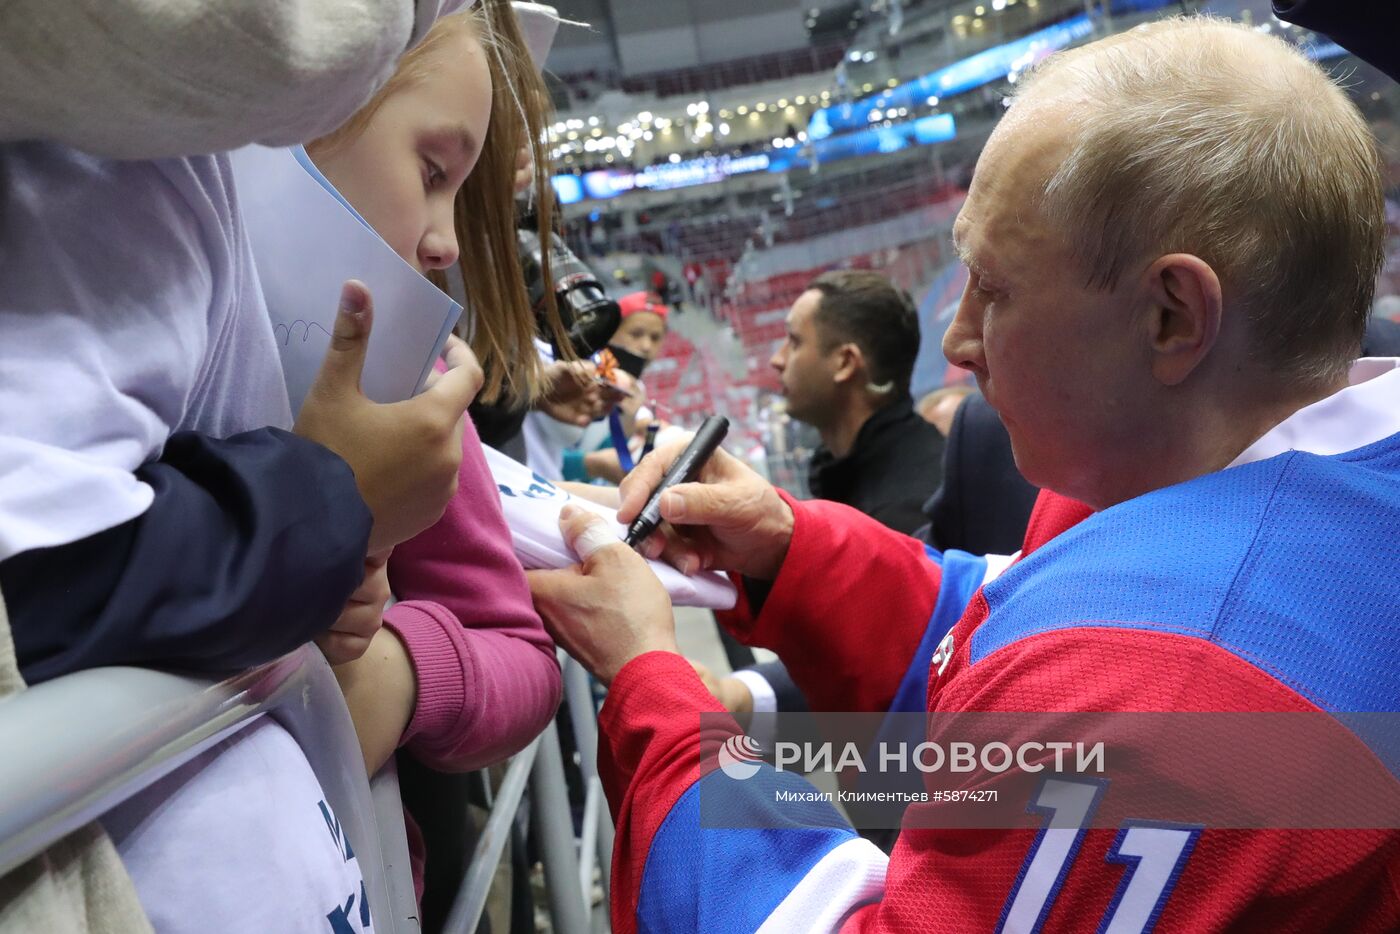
(251, 547)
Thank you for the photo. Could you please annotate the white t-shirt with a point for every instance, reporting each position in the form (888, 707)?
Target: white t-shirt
(241, 839)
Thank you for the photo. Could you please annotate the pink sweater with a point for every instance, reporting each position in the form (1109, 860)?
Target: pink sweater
(488, 679)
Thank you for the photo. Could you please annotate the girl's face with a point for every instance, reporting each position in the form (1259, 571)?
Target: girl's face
(641, 333)
(403, 171)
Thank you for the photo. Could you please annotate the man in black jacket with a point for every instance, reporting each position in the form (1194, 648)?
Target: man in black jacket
(845, 367)
(851, 341)
(983, 503)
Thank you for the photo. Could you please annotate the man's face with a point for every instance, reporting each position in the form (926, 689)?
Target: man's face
(1057, 359)
(805, 365)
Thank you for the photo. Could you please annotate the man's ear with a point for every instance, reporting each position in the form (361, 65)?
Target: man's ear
(849, 363)
(1184, 315)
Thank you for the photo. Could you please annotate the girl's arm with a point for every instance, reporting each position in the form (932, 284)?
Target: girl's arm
(487, 678)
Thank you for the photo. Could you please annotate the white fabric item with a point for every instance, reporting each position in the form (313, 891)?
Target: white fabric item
(79, 883)
(851, 874)
(763, 730)
(179, 77)
(241, 838)
(531, 504)
(131, 309)
(547, 437)
(546, 440)
(764, 698)
(1365, 412)
(996, 564)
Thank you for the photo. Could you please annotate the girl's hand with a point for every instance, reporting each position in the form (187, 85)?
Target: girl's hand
(350, 636)
(405, 455)
(573, 395)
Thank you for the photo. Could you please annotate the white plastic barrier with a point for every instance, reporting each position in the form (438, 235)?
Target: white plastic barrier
(73, 747)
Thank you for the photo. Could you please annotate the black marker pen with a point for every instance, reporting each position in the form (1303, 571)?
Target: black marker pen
(686, 468)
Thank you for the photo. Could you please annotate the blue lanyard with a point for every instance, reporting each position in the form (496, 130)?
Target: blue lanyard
(619, 440)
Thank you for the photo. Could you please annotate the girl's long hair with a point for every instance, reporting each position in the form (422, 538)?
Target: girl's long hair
(503, 322)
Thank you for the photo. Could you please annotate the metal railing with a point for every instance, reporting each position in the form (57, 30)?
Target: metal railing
(569, 863)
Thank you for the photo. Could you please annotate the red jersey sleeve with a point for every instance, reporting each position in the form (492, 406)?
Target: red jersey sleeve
(847, 610)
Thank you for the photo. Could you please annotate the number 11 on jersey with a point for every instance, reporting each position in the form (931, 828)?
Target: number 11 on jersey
(1154, 854)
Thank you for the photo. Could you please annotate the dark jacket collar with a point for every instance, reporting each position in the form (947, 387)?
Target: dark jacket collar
(829, 475)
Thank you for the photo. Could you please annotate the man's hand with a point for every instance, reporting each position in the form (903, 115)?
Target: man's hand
(350, 636)
(572, 393)
(405, 455)
(729, 691)
(607, 610)
(731, 519)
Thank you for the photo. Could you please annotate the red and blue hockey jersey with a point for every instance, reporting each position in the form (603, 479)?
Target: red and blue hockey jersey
(1273, 585)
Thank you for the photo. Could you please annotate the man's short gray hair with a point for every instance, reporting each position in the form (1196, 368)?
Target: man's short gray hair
(1201, 136)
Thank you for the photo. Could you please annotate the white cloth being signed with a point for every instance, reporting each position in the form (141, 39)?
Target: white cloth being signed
(531, 504)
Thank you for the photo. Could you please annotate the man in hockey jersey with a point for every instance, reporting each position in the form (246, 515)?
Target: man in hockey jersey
(1173, 238)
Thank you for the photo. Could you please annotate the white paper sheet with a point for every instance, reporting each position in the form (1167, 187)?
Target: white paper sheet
(306, 243)
(531, 504)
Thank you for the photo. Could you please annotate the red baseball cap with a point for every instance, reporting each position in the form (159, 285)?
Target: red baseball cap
(643, 301)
